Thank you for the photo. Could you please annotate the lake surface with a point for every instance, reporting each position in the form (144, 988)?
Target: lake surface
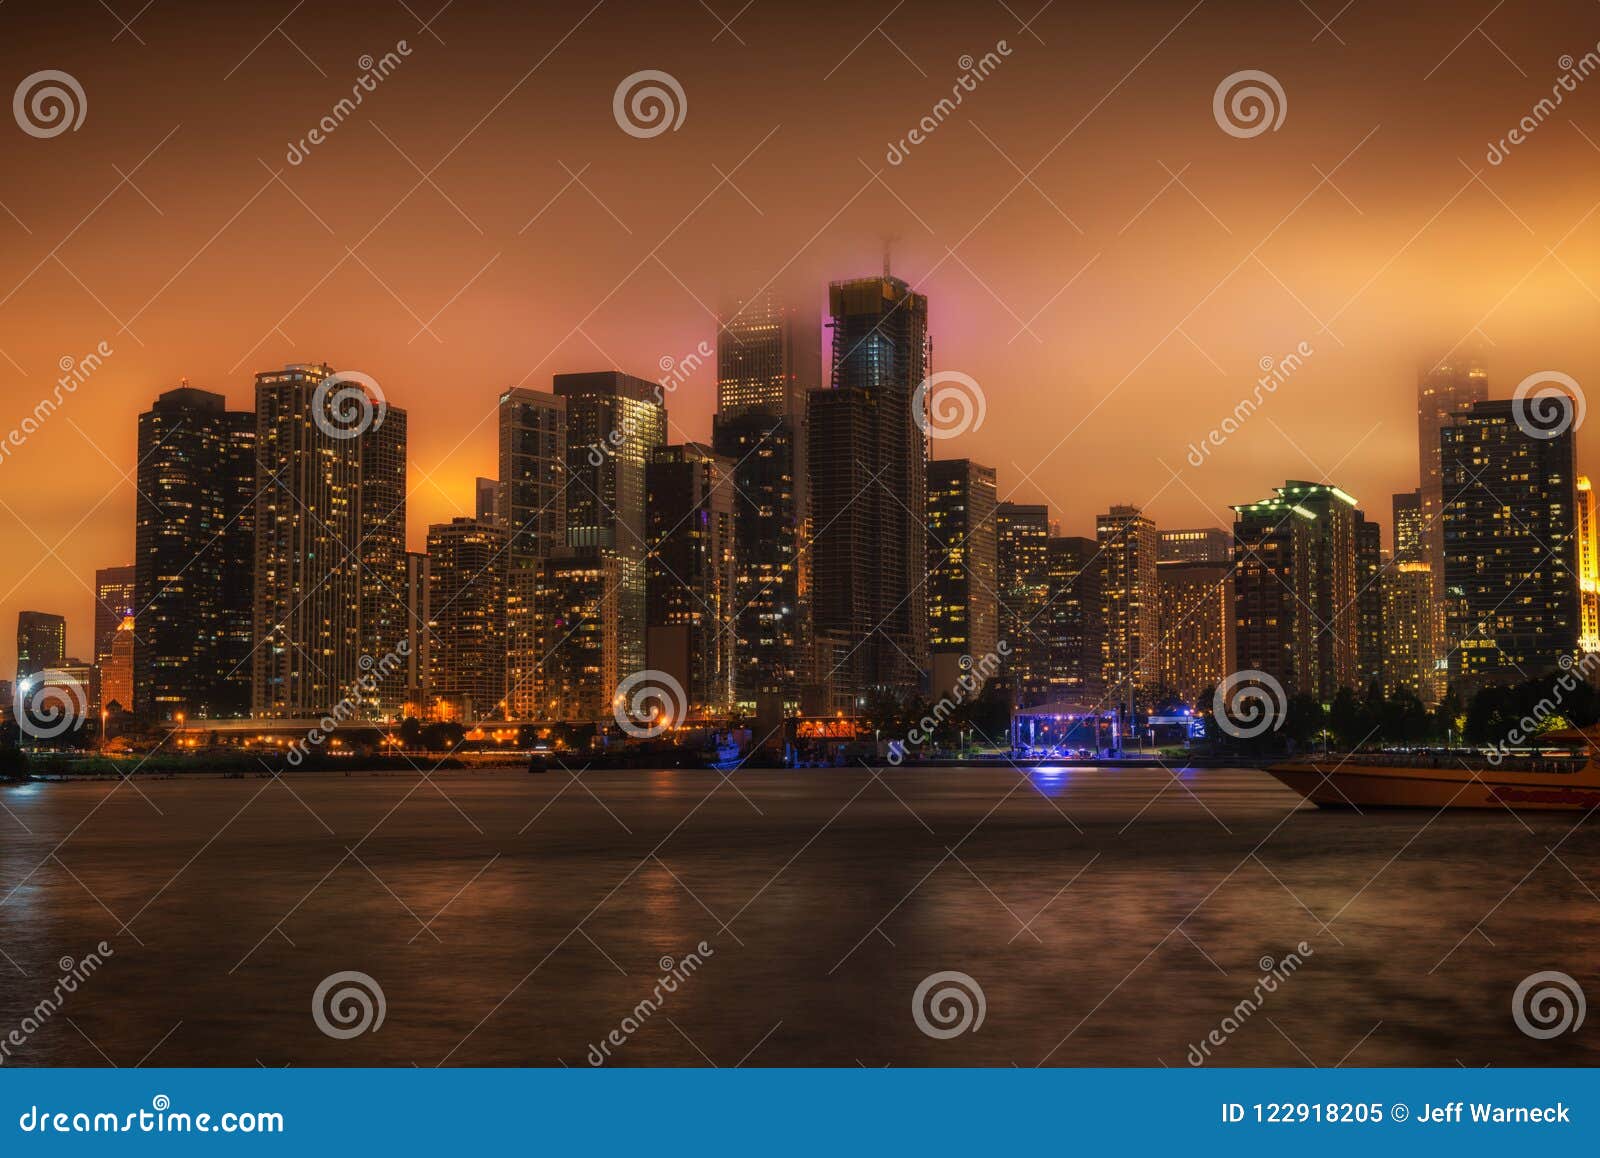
(1109, 917)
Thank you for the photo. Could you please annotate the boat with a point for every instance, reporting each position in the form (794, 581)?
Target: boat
(1547, 779)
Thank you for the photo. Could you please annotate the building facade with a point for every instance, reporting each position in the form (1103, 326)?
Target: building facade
(1408, 631)
(1196, 626)
(963, 580)
(1022, 550)
(868, 457)
(614, 420)
(41, 642)
(384, 579)
(769, 358)
(1070, 619)
(691, 593)
(1510, 523)
(1297, 617)
(467, 621)
(194, 558)
(531, 495)
(1194, 545)
(1129, 602)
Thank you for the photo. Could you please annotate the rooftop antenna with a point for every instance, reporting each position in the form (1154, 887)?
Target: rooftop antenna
(888, 245)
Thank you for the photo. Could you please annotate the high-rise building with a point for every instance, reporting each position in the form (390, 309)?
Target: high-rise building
(868, 457)
(486, 493)
(1369, 603)
(194, 557)
(1410, 540)
(768, 359)
(691, 574)
(613, 422)
(1070, 620)
(1510, 524)
(41, 642)
(1408, 631)
(1588, 569)
(418, 612)
(1442, 390)
(1195, 545)
(769, 356)
(962, 587)
(1022, 548)
(308, 522)
(115, 598)
(1196, 626)
(385, 609)
(114, 674)
(571, 640)
(1129, 602)
(466, 598)
(533, 472)
(1297, 618)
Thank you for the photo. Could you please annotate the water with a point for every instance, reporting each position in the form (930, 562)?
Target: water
(1110, 917)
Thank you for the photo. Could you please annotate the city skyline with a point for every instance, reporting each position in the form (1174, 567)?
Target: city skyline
(1174, 270)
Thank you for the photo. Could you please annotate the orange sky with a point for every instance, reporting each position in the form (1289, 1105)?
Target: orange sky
(1191, 254)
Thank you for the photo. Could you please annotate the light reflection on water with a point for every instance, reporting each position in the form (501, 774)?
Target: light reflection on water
(1111, 916)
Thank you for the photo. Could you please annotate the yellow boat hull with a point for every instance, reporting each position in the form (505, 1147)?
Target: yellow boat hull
(1342, 782)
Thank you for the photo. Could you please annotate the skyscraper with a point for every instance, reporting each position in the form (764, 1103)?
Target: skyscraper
(194, 557)
(769, 355)
(115, 593)
(385, 610)
(1295, 589)
(1410, 540)
(466, 598)
(613, 421)
(1510, 525)
(41, 642)
(1196, 651)
(1442, 390)
(768, 359)
(962, 587)
(1022, 547)
(115, 596)
(533, 472)
(1369, 603)
(308, 522)
(868, 459)
(1070, 621)
(571, 640)
(115, 672)
(1408, 631)
(1588, 568)
(1129, 603)
(691, 569)
(418, 612)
